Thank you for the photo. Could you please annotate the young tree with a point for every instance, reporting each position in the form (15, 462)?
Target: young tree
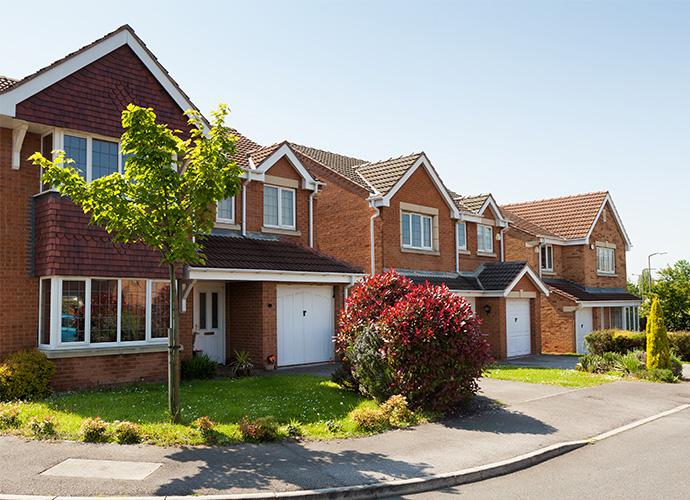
(166, 197)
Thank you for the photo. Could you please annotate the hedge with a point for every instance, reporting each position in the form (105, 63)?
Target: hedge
(622, 341)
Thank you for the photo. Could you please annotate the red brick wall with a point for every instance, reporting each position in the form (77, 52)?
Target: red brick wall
(606, 232)
(19, 293)
(515, 249)
(557, 326)
(92, 99)
(473, 261)
(493, 324)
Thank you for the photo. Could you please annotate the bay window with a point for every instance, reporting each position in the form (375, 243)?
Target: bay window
(90, 312)
(416, 231)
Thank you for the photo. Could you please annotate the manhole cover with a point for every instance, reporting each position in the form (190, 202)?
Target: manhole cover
(102, 469)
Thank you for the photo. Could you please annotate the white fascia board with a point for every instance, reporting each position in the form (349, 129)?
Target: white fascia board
(10, 98)
(610, 303)
(533, 278)
(490, 202)
(423, 160)
(198, 273)
(628, 243)
(284, 150)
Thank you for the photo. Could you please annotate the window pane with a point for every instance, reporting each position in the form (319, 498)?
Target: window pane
(287, 208)
(75, 148)
(462, 235)
(73, 306)
(270, 206)
(488, 239)
(616, 317)
(226, 209)
(103, 158)
(214, 309)
(202, 310)
(427, 232)
(103, 311)
(416, 230)
(133, 321)
(406, 229)
(160, 310)
(44, 334)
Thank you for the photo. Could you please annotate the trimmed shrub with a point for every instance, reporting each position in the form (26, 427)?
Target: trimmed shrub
(658, 354)
(680, 344)
(260, 429)
(369, 364)
(620, 341)
(42, 427)
(369, 419)
(206, 427)
(93, 429)
(198, 367)
(25, 375)
(9, 417)
(126, 432)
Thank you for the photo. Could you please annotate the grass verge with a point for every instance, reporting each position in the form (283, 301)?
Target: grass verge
(550, 376)
(316, 405)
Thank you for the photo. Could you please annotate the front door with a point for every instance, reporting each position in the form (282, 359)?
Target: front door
(209, 320)
(583, 325)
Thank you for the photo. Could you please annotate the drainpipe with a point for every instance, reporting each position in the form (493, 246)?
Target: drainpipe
(457, 249)
(502, 252)
(347, 288)
(311, 214)
(371, 236)
(244, 203)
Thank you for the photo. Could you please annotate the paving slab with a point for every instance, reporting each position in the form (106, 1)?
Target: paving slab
(103, 469)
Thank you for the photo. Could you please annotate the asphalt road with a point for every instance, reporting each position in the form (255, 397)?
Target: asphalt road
(649, 462)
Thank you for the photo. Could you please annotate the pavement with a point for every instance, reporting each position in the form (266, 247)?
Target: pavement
(521, 425)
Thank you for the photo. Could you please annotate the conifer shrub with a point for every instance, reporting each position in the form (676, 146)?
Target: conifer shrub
(25, 375)
(658, 352)
(371, 368)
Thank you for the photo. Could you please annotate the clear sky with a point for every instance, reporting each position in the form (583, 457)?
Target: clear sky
(523, 99)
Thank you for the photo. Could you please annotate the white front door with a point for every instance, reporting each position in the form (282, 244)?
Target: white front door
(209, 320)
(583, 325)
(305, 324)
(518, 331)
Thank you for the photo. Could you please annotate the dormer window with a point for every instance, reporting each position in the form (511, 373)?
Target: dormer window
(416, 231)
(279, 207)
(485, 241)
(547, 258)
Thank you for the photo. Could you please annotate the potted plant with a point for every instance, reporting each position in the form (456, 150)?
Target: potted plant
(242, 365)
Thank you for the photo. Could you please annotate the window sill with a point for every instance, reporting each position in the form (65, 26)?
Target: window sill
(464, 252)
(481, 253)
(277, 230)
(548, 272)
(419, 251)
(610, 275)
(61, 353)
(228, 225)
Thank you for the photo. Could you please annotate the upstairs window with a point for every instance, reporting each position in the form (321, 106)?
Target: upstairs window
(606, 262)
(485, 241)
(225, 211)
(416, 231)
(547, 258)
(462, 236)
(279, 207)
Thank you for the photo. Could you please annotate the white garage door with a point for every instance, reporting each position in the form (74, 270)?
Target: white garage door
(518, 327)
(305, 324)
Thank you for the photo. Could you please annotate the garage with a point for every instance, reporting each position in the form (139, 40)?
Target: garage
(518, 331)
(305, 319)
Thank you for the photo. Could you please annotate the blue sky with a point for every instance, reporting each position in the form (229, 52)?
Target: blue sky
(523, 99)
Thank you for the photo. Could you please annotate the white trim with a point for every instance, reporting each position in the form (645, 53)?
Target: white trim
(610, 303)
(619, 223)
(18, 134)
(422, 160)
(279, 201)
(285, 151)
(490, 202)
(10, 98)
(199, 273)
(533, 278)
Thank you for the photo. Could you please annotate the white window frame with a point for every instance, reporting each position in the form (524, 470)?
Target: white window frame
(280, 224)
(631, 318)
(606, 260)
(462, 227)
(55, 311)
(422, 218)
(547, 258)
(231, 203)
(483, 238)
(59, 144)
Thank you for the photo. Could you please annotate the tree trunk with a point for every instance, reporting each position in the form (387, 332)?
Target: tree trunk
(174, 352)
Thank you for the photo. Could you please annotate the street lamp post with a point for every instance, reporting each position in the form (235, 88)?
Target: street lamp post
(649, 267)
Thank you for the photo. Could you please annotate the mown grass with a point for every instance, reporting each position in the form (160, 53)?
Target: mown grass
(313, 401)
(550, 376)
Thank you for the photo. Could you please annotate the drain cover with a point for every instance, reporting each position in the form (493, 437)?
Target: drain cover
(102, 469)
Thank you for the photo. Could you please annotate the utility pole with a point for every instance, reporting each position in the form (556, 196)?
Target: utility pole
(649, 267)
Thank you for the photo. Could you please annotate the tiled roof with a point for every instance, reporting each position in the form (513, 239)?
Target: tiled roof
(344, 165)
(579, 294)
(260, 155)
(494, 276)
(527, 226)
(237, 252)
(383, 175)
(474, 203)
(569, 217)
(6, 82)
(243, 147)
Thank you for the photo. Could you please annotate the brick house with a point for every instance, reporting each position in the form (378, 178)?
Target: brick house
(100, 310)
(578, 244)
(398, 214)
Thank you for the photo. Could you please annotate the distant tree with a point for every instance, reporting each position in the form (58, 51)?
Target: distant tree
(166, 196)
(672, 287)
(633, 288)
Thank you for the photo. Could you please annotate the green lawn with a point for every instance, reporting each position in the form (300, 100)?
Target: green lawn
(550, 376)
(313, 401)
